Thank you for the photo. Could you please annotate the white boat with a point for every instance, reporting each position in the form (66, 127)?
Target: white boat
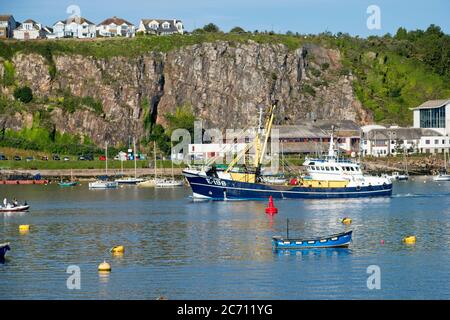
(150, 183)
(443, 176)
(399, 177)
(99, 184)
(130, 180)
(11, 208)
(169, 183)
(104, 184)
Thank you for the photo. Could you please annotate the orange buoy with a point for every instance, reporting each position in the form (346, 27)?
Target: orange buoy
(271, 208)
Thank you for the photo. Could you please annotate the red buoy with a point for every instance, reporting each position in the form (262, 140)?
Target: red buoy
(271, 208)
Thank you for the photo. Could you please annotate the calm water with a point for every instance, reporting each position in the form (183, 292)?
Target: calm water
(181, 249)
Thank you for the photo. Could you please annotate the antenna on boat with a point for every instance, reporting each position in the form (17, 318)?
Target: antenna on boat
(331, 148)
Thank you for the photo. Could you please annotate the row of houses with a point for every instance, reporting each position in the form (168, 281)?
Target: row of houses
(430, 134)
(82, 28)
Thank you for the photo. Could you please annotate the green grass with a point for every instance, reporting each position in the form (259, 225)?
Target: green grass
(78, 164)
(112, 47)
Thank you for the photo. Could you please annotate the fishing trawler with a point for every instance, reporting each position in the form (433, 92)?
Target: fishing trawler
(327, 177)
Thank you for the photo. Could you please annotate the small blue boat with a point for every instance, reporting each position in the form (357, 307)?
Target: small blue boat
(339, 240)
(3, 248)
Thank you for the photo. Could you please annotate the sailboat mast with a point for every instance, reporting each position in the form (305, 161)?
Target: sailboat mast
(171, 161)
(106, 158)
(154, 156)
(134, 152)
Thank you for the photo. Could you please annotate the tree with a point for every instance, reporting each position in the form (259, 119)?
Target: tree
(211, 27)
(24, 94)
(237, 30)
(183, 118)
(401, 34)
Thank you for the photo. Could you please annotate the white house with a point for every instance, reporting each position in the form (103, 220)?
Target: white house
(115, 26)
(381, 142)
(161, 26)
(29, 29)
(74, 27)
(7, 26)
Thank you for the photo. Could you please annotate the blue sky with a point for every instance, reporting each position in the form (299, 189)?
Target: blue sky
(304, 16)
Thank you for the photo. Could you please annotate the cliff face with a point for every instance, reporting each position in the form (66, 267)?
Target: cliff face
(224, 83)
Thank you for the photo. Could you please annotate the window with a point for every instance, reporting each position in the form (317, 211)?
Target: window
(436, 141)
(327, 168)
(332, 168)
(337, 169)
(432, 118)
(427, 141)
(353, 169)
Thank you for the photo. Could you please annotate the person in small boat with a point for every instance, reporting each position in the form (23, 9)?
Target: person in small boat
(5, 202)
(15, 202)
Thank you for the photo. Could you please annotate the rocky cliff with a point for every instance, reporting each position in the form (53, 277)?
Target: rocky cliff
(225, 83)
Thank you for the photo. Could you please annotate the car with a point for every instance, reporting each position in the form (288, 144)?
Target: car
(30, 158)
(44, 158)
(3, 157)
(89, 157)
(102, 158)
(82, 158)
(56, 157)
(17, 158)
(66, 159)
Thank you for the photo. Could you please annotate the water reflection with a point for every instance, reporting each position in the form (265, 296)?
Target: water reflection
(181, 248)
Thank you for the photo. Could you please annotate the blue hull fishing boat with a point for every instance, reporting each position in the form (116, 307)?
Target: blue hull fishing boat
(340, 240)
(327, 177)
(3, 248)
(212, 188)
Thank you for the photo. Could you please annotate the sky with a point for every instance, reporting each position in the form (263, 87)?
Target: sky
(303, 16)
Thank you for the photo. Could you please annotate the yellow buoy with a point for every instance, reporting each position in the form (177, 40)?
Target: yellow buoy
(118, 249)
(24, 228)
(409, 239)
(104, 267)
(346, 220)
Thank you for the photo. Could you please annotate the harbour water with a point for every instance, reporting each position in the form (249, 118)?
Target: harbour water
(181, 249)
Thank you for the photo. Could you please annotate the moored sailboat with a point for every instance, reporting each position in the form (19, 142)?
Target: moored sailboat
(103, 182)
(443, 175)
(168, 183)
(130, 180)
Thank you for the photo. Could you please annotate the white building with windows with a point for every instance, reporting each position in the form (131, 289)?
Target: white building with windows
(382, 142)
(29, 29)
(74, 27)
(160, 26)
(433, 114)
(116, 27)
